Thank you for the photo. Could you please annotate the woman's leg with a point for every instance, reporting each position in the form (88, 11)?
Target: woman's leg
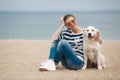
(49, 64)
(62, 53)
(53, 50)
(66, 55)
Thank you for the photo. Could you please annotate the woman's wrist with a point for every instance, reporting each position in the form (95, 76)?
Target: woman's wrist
(62, 26)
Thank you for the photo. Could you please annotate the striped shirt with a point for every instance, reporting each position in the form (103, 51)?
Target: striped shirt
(74, 40)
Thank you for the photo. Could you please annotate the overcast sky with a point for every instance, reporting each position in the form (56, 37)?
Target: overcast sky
(59, 5)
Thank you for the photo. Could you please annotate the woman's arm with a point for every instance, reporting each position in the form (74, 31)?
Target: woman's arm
(58, 31)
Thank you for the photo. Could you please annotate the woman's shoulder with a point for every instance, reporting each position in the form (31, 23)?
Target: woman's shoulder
(67, 30)
(82, 28)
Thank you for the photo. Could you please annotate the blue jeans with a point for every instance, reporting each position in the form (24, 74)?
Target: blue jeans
(65, 54)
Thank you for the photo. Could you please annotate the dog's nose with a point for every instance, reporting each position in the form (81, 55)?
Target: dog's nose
(89, 34)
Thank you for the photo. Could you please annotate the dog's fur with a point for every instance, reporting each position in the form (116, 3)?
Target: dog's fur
(92, 49)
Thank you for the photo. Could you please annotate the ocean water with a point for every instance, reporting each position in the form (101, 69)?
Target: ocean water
(41, 25)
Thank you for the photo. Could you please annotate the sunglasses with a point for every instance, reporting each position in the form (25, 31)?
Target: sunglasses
(72, 21)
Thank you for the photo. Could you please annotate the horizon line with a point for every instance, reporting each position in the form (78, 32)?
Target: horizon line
(68, 11)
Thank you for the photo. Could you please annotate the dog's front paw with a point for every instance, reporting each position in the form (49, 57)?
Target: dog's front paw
(83, 68)
(104, 66)
(99, 67)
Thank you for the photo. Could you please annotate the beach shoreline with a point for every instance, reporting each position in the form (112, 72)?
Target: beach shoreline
(20, 60)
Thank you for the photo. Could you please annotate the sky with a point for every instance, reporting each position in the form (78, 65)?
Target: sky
(59, 5)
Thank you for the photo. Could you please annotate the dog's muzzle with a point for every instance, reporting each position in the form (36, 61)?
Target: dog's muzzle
(90, 36)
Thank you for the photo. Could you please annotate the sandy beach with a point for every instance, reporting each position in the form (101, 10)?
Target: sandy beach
(20, 59)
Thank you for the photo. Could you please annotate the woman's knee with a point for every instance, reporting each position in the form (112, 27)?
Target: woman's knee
(63, 42)
(54, 43)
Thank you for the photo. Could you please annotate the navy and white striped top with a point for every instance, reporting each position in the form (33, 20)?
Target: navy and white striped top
(75, 41)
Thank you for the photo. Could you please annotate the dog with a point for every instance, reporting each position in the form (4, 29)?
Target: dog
(92, 49)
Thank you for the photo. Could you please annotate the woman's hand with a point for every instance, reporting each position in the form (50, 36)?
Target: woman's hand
(97, 37)
(58, 31)
(62, 21)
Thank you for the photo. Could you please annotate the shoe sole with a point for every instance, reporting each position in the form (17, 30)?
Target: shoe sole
(43, 69)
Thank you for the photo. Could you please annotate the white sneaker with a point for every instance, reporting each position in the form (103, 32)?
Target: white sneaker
(48, 65)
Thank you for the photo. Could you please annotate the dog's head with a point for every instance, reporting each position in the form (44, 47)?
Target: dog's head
(90, 32)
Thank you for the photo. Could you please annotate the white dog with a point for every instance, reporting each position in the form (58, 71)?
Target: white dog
(92, 49)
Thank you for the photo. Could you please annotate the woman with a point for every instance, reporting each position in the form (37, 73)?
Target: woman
(67, 46)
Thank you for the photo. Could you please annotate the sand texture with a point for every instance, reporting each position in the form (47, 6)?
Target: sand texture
(20, 59)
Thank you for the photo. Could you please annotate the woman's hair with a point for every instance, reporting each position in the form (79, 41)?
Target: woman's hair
(67, 16)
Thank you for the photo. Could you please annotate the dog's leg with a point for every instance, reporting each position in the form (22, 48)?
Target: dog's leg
(103, 61)
(99, 65)
(85, 62)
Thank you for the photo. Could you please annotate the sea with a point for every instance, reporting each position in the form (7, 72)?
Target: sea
(42, 25)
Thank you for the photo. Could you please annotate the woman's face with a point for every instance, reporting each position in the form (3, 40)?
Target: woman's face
(70, 22)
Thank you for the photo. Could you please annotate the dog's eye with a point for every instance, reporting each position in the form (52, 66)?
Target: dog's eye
(87, 30)
(92, 30)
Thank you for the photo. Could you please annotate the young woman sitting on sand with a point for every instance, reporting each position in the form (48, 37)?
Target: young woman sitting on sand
(67, 46)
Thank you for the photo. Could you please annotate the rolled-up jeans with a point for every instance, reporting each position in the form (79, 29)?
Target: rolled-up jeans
(64, 53)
